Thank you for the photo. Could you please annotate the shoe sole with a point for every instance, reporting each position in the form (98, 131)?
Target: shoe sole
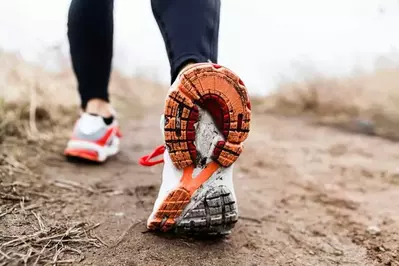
(90, 151)
(221, 93)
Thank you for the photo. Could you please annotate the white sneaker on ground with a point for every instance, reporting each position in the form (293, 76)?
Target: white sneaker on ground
(94, 138)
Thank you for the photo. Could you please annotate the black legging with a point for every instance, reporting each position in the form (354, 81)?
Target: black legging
(190, 29)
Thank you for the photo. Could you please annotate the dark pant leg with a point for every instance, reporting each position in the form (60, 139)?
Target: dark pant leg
(90, 34)
(190, 29)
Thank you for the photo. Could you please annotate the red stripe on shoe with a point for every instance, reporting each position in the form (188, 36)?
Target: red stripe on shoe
(104, 139)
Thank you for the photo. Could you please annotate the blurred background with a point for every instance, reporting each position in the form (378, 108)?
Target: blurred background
(267, 42)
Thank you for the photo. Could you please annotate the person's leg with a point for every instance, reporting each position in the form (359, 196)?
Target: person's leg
(206, 119)
(90, 34)
(190, 29)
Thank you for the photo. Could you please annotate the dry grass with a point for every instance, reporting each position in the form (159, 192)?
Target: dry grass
(48, 245)
(367, 103)
(30, 96)
(30, 234)
(32, 229)
(37, 111)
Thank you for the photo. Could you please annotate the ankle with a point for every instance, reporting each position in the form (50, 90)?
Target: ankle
(98, 107)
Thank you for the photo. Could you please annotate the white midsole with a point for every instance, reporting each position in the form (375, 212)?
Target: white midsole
(102, 151)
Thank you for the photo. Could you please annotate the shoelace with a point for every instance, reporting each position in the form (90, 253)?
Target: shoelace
(146, 160)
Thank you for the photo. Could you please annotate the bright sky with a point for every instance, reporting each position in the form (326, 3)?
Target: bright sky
(266, 42)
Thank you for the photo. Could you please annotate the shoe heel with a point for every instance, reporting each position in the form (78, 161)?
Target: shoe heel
(223, 95)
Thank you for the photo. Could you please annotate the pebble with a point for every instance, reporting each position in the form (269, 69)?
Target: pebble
(373, 230)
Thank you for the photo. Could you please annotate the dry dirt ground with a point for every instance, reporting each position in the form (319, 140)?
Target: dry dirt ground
(308, 195)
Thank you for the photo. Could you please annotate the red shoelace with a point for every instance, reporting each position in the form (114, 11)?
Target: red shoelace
(146, 160)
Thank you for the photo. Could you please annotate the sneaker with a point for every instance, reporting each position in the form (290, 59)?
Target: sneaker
(206, 119)
(94, 138)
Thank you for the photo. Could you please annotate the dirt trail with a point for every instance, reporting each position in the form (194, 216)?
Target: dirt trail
(308, 195)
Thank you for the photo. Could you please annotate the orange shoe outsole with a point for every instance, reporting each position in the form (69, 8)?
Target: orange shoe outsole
(220, 92)
(82, 154)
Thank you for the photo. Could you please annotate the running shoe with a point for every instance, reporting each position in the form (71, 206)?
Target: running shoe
(94, 138)
(205, 122)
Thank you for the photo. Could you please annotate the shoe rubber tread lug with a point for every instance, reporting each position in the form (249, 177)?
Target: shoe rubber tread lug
(219, 217)
(220, 92)
(214, 214)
